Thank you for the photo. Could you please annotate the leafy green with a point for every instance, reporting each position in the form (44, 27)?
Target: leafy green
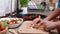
(4, 24)
(23, 3)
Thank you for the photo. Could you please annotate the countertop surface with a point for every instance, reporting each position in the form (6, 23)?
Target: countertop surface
(37, 12)
(43, 13)
(22, 24)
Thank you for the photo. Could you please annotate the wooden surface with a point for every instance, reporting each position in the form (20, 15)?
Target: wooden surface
(26, 28)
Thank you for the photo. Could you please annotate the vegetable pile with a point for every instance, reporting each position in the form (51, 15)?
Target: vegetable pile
(3, 25)
(14, 21)
(31, 17)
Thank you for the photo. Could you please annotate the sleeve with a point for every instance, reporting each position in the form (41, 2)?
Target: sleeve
(58, 3)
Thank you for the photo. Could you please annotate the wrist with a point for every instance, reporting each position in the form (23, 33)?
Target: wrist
(57, 24)
(47, 18)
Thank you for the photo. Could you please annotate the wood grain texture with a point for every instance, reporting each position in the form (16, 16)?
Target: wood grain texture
(26, 28)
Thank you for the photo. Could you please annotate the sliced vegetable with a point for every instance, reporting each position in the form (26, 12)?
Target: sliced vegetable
(1, 29)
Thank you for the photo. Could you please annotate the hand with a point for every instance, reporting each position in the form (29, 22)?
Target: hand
(49, 25)
(36, 22)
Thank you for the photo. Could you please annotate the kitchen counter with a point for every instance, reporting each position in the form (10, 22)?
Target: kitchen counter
(43, 13)
(22, 25)
(37, 11)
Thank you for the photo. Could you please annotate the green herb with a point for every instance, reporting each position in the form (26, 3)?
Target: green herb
(23, 3)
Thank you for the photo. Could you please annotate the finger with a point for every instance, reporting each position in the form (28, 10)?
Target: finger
(35, 26)
(47, 29)
(36, 20)
(39, 24)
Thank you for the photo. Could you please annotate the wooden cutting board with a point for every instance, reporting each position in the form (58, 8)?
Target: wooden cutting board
(27, 29)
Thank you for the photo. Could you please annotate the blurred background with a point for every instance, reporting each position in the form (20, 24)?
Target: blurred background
(27, 9)
(15, 8)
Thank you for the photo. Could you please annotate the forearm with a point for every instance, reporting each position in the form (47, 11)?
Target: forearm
(53, 14)
(58, 24)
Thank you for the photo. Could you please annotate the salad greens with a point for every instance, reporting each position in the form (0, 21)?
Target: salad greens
(4, 24)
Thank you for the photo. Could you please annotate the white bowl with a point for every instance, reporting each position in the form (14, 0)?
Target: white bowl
(15, 25)
(12, 25)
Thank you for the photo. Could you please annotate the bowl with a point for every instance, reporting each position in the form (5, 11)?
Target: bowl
(12, 25)
(4, 31)
(42, 16)
(15, 25)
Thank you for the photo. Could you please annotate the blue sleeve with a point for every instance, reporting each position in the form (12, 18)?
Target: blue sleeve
(58, 3)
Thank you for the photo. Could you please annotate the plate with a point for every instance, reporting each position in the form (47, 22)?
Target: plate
(12, 25)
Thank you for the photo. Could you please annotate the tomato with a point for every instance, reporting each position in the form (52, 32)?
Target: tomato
(3, 25)
(1, 29)
(13, 20)
(8, 22)
(36, 16)
(26, 17)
